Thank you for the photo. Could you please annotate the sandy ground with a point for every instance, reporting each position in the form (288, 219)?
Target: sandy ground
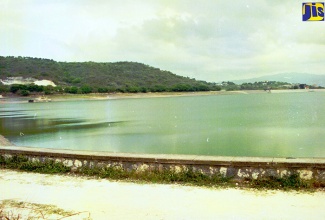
(103, 199)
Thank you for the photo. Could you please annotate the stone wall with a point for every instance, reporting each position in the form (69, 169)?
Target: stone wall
(236, 167)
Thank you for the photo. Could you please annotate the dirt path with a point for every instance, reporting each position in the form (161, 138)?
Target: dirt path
(103, 199)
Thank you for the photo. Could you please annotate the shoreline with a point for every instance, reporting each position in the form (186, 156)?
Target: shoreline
(113, 96)
(5, 142)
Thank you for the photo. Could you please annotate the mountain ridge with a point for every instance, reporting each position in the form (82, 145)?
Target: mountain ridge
(294, 78)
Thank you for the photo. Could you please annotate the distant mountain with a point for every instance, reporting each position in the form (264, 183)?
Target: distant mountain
(303, 78)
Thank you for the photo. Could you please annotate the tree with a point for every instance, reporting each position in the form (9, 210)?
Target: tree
(4, 89)
(48, 90)
(72, 90)
(35, 88)
(15, 88)
(24, 93)
(86, 89)
(102, 90)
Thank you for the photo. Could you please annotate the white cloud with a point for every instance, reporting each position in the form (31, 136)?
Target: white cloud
(209, 40)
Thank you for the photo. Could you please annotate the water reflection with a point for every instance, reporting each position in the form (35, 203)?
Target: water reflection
(30, 125)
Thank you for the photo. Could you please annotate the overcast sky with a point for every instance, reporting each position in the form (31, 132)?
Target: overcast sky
(208, 40)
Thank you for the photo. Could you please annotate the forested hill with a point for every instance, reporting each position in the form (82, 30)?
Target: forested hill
(118, 76)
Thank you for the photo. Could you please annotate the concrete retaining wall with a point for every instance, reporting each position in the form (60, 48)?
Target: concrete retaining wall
(237, 167)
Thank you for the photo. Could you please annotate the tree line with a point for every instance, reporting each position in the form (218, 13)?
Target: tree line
(26, 90)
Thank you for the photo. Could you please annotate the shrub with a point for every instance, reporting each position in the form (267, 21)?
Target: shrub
(289, 182)
(24, 93)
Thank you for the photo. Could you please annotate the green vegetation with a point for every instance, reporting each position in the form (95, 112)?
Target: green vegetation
(156, 176)
(287, 182)
(265, 85)
(22, 163)
(123, 77)
(189, 176)
(4, 89)
(90, 77)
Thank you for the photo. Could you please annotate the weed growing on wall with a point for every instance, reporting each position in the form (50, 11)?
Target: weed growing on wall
(186, 176)
(288, 182)
(22, 163)
(156, 176)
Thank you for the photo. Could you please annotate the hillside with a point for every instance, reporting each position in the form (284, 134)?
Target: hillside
(118, 76)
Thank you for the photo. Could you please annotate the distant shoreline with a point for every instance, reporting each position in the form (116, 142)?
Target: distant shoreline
(113, 96)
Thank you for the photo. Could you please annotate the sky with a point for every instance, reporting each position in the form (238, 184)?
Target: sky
(208, 40)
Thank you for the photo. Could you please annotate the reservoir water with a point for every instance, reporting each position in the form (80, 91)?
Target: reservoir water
(266, 125)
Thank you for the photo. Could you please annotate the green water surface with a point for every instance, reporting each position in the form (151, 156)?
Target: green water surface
(267, 125)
